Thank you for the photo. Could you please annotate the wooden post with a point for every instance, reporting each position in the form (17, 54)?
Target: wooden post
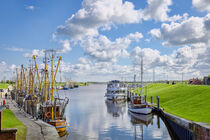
(158, 102)
(151, 100)
(145, 98)
(158, 121)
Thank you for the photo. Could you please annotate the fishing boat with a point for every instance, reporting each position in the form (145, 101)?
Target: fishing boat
(52, 109)
(116, 90)
(66, 87)
(58, 120)
(138, 104)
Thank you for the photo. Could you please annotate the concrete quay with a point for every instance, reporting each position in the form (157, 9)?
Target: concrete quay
(36, 129)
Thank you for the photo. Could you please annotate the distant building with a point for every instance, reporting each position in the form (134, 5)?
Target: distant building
(195, 81)
(206, 80)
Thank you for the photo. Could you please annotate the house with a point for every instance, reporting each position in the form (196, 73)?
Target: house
(195, 81)
(206, 80)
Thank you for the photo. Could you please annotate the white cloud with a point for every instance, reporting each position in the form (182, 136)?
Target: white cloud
(84, 60)
(13, 67)
(102, 49)
(29, 7)
(136, 36)
(65, 46)
(189, 31)
(3, 66)
(152, 58)
(39, 53)
(156, 33)
(7, 70)
(201, 5)
(102, 14)
(96, 71)
(193, 60)
(98, 13)
(157, 10)
(15, 49)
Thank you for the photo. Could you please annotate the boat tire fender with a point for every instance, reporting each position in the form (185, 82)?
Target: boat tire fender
(48, 115)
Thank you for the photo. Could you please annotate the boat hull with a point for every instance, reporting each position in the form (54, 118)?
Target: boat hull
(115, 96)
(60, 126)
(141, 110)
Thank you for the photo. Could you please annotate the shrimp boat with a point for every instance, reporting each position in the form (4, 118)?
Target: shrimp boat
(116, 90)
(137, 103)
(52, 109)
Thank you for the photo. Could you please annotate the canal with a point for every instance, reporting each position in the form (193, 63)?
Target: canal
(91, 116)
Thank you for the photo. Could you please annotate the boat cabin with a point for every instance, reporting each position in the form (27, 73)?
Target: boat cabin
(47, 110)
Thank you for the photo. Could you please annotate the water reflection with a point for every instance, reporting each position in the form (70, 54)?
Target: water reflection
(139, 119)
(116, 108)
(91, 116)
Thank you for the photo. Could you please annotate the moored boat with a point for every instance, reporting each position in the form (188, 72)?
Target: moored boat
(137, 103)
(116, 90)
(52, 109)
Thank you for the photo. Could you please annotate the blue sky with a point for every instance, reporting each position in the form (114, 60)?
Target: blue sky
(95, 52)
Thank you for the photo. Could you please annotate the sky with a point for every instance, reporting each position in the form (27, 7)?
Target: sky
(101, 40)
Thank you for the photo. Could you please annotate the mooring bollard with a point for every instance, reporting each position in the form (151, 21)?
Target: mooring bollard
(158, 121)
(151, 100)
(145, 98)
(158, 102)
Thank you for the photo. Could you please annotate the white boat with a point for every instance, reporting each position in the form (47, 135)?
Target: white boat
(138, 104)
(116, 90)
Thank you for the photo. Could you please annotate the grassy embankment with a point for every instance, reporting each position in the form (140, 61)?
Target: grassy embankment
(191, 102)
(10, 121)
(83, 84)
(4, 85)
(78, 83)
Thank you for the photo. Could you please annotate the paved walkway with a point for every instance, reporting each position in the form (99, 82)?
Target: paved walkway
(36, 130)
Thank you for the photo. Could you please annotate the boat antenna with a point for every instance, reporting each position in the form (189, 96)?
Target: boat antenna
(141, 74)
(135, 84)
(134, 79)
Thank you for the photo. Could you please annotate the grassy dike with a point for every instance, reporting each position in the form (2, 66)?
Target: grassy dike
(191, 102)
(4, 85)
(10, 121)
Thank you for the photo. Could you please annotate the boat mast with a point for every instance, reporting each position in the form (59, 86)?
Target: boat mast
(52, 83)
(37, 70)
(45, 77)
(17, 87)
(141, 74)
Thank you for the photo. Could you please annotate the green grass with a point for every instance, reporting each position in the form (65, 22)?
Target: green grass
(4, 85)
(191, 102)
(83, 84)
(10, 121)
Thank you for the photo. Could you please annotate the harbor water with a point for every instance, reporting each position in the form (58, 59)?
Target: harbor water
(91, 116)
